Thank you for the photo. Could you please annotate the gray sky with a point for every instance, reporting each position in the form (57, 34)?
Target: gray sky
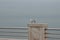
(18, 12)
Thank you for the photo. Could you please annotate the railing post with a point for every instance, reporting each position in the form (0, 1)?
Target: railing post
(37, 31)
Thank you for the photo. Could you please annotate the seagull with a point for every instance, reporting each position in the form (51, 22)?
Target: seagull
(32, 21)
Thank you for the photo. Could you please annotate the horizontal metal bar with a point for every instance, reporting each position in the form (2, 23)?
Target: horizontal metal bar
(25, 28)
(54, 28)
(52, 37)
(15, 28)
(11, 32)
(52, 33)
(14, 35)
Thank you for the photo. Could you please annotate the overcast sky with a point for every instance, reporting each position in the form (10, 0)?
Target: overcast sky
(18, 12)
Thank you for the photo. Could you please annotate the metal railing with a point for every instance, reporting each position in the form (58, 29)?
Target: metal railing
(15, 32)
(22, 33)
(53, 33)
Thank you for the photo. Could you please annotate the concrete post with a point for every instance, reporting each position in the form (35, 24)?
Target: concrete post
(37, 31)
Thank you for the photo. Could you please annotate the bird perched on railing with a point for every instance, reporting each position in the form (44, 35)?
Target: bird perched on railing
(32, 21)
